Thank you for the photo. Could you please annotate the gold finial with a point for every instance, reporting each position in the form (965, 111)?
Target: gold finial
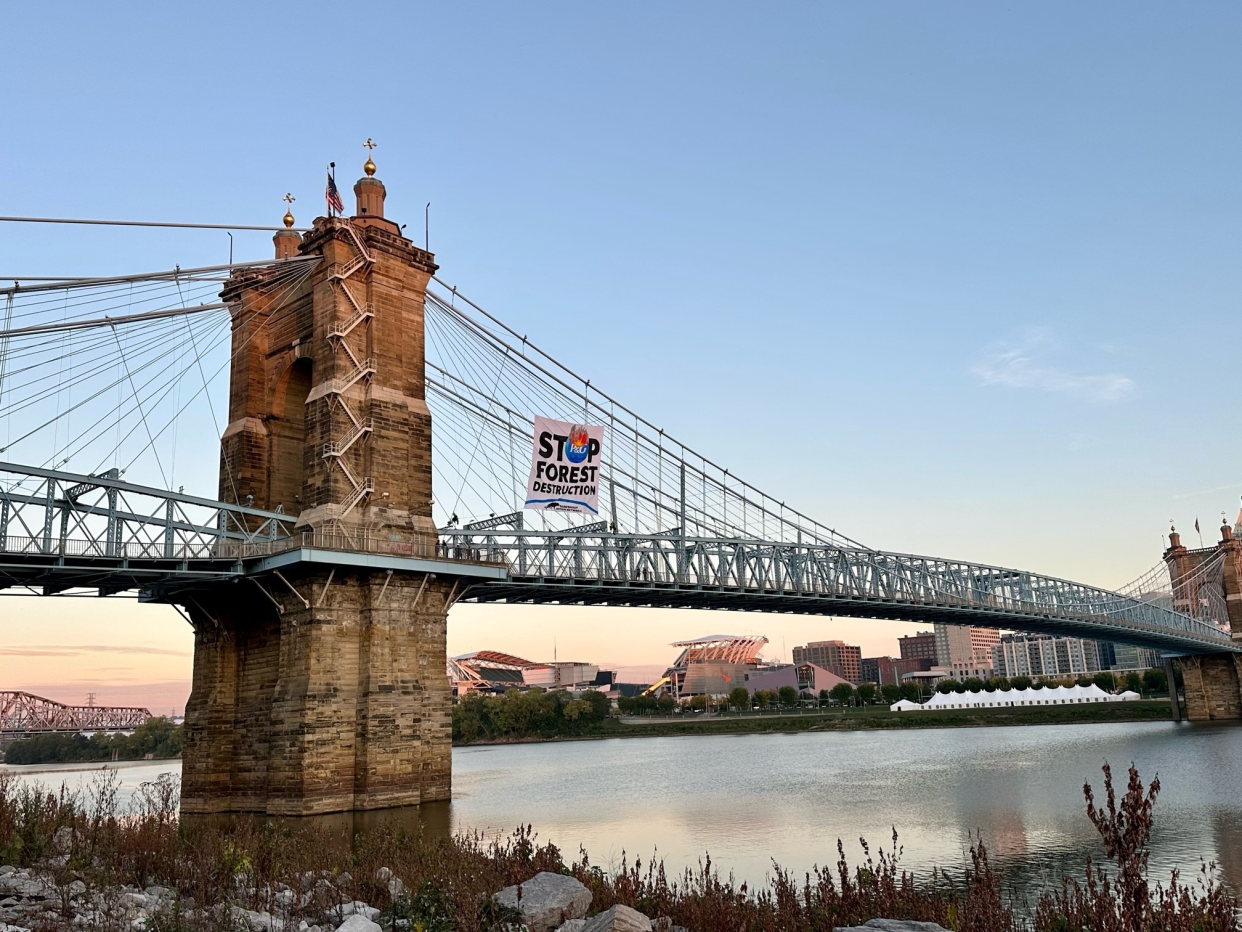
(369, 167)
(289, 199)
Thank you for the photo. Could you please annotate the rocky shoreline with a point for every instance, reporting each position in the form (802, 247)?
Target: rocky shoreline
(55, 898)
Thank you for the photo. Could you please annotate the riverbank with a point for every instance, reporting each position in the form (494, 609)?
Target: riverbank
(69, 862)
(878, 719)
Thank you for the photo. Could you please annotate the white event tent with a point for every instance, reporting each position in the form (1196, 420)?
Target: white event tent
(1049, 695)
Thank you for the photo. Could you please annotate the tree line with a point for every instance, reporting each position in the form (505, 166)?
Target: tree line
(528, 713)
(158, 738)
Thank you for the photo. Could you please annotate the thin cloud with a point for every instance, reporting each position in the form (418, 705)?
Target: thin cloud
(1019, 366)
(1215, 488)
(56, 650)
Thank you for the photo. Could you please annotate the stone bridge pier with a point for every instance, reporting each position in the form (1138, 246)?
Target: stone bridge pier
(1212, 683)
(319, 677)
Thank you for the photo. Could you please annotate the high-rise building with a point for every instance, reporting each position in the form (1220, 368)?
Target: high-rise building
(845, 660)
(956, 644)
(882, 670)
(919, 646)
(1129, 657)
(964, 651)
(1044, 655)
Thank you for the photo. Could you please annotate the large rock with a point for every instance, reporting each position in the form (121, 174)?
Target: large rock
(893, 925)
(572, 925)
(358, 923)
(618, 919)
(548, 900)
(20, 883)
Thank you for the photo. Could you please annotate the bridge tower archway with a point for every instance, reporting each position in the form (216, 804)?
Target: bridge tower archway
(289, 454)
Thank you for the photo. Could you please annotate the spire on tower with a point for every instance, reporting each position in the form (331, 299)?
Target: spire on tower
(286, 240)
(370, 190)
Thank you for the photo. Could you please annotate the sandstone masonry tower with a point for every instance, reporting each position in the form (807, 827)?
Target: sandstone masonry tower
(326, 691)
(1212, 682)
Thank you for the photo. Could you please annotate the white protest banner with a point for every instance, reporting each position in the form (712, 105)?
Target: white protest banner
(564, 467)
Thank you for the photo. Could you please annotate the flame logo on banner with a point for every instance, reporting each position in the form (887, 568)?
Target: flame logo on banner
(579, 444)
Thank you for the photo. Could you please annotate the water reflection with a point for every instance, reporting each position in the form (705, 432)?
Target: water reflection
(430, 820)
(749, 799)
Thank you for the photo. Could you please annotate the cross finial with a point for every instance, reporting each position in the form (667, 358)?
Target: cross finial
(369, 167)
(370, 145)
(289, 199)
(288, 218)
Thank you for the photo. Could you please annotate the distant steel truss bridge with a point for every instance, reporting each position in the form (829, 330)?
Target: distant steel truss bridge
(23, 714)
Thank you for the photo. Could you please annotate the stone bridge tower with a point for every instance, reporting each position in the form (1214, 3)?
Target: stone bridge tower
(1212, 682)
(319, 680)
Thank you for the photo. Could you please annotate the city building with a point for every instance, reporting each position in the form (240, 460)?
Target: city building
(919, 646)
(771, 677)
(845, 660)
(964, 651)
(1129, 657)
(881, 670)
(1044, 655)
(712, 665)
(814, 679)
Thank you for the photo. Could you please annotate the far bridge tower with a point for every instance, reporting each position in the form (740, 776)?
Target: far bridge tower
(1212, 682)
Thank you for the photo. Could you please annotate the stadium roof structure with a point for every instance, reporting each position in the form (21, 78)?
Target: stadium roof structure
(487, 670)
(729, 648)
(494, 658)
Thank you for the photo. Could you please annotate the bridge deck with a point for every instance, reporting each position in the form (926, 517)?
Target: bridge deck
(96, 532)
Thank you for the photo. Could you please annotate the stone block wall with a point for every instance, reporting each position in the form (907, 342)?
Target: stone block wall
(1213, 687)
(341, 706)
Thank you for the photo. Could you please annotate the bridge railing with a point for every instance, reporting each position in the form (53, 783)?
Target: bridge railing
(791, 569)
(55, 514)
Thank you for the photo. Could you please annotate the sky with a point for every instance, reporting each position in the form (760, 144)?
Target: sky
(957, 278)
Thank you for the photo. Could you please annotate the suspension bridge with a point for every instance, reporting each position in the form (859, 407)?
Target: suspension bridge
(319, 574)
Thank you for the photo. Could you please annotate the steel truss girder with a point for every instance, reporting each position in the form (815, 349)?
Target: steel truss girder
(660, 570)
(46, 513)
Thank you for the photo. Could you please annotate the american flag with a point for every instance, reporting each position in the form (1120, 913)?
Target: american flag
(333, 196)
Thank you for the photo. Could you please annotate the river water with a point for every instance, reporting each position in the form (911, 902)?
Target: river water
(751, 799)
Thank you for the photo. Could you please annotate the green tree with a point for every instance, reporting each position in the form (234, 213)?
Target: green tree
(842, 693)
(788, 696)
(1154, 681)
(1134, 681)
(911, 692)
(665, 704)
(739, 698)
(601, 706)
(972, 684)
(1106, 680)
(1019, 682)
(824, 697)
(763, 698)
(998, 682)
(891, 692)
(866, 693)
(1084, 681)
(948, 686)
(698, 703)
